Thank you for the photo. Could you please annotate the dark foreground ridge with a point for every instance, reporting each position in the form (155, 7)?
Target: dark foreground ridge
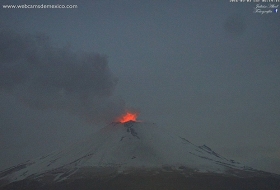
(108, 179)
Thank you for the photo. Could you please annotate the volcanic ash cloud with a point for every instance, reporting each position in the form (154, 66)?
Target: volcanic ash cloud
(46, 77)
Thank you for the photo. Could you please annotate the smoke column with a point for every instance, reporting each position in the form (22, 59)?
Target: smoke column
(45, 77)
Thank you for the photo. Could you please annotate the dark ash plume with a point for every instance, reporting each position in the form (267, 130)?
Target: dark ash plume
(45, 77)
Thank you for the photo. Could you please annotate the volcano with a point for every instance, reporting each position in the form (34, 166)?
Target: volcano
(135, 155)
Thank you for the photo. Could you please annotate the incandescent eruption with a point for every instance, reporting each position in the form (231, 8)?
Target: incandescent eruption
(128, 116)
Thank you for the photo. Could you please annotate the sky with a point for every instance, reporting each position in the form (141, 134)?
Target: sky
(207, 70)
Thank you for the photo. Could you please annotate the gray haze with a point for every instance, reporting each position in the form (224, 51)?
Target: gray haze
(206, 70)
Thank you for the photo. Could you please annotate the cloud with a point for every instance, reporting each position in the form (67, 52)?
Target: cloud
(46, 77)
(235, 25)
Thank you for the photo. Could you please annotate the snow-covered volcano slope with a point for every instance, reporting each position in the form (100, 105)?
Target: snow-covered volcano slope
(126, 146)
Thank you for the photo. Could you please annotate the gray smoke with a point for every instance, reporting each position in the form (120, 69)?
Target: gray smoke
(45, 77)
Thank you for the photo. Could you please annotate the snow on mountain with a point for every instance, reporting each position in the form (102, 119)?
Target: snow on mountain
(126, 146)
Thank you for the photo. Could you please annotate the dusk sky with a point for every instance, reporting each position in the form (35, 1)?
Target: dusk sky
(207, 70)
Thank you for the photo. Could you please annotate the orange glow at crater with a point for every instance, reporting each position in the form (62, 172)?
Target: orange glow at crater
(128, 116)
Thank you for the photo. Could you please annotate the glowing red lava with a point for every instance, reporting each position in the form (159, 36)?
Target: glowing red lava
(128, 116)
